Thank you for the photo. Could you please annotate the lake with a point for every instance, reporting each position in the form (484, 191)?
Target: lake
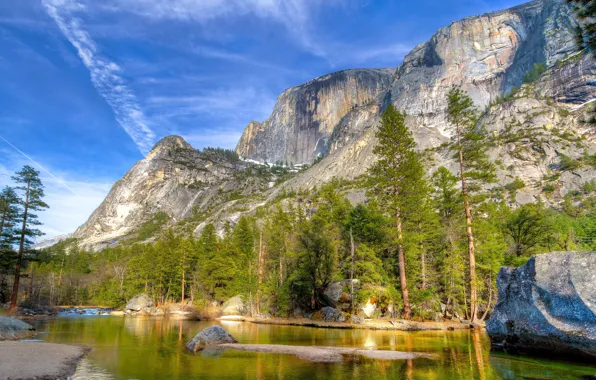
(150, 348)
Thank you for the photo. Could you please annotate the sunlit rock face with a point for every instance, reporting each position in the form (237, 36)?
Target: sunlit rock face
(304, 117)
(174, 178)
(486, 55)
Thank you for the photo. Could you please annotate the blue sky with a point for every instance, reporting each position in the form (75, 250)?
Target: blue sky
(89, 86)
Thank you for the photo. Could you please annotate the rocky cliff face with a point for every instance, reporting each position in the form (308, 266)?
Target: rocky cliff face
(174, 178)
(486, 55)
(304, 117)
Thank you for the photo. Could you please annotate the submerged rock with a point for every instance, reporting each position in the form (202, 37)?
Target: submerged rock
(11, 328)
(548, 305)
(142, 302)
(211, 336)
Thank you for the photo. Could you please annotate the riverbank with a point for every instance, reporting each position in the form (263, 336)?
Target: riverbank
(36, 360)
(369, 324)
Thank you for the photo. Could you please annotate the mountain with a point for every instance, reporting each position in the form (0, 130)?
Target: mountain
(174, 179)
(536, 123)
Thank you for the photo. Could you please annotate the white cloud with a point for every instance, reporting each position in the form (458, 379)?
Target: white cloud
(105, 74)
(67, 211)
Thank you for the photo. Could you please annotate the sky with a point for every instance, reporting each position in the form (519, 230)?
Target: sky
(88, 87)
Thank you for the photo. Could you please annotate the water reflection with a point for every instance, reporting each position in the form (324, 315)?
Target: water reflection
(148, 348)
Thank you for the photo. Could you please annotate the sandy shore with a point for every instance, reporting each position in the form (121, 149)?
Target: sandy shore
(36, 360)
(373, 324)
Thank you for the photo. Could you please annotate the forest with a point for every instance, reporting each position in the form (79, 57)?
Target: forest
(424, 245)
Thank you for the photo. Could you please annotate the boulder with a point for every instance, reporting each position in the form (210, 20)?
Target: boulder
(211, 336)
(547, 305)
(235, 306)
(139, 303)
(339, 292)
(11, 328)
(329, 314)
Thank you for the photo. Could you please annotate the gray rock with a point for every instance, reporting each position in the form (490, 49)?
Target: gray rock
(235, 306)
(357, 320)
(549, 305)
(11, 328)
(211, 336)
(139, 303)
(330, 314)
(338, 291)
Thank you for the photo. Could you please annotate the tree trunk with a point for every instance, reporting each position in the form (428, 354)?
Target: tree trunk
(260, 271)
(352, 272)
(490, 299)
(469, 232)
(402, 262)
(182, 289)
(17, 271)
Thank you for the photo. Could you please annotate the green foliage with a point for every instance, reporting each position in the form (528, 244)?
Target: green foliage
(537, 70)
(151, 227)
(567, 163)
(228, 154)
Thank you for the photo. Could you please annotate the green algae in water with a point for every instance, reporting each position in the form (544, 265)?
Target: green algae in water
(147, 348)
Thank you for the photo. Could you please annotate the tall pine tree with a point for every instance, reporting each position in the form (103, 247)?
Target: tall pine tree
(474, 166)
(32, 188)
(395, 180)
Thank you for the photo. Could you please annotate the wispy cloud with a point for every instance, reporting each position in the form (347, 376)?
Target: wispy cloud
(40, 166)
(105, 74)
(67, 211)
(294, 15)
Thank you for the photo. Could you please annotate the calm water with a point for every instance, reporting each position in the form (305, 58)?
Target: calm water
(137, 348)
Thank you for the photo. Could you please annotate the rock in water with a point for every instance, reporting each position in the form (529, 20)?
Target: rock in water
(11, 328)
(211, 336)
(548, 305)
(235, 306)
(142, 302)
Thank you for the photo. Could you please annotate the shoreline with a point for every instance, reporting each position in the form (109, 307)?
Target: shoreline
(52, 360)
(371, 324)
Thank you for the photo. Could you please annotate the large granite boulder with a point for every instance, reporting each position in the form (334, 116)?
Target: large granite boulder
(235, 306)
(548, 305)
(211, 336)
(338, 292)
(140, 303)
(11, 328)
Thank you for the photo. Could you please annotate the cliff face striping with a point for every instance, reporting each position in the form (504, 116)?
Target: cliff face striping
(303, 119)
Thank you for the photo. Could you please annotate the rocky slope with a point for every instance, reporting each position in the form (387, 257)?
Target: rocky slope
(174, 179)
(335, 116)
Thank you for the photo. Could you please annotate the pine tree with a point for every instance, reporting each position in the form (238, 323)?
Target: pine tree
(395, 180)
(475, 168)
(9, 212)
(32, 188)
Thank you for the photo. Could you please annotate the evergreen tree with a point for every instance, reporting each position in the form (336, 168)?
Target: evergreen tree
(475, 169)
(395, 180)
(9, 213)
(32, 188)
